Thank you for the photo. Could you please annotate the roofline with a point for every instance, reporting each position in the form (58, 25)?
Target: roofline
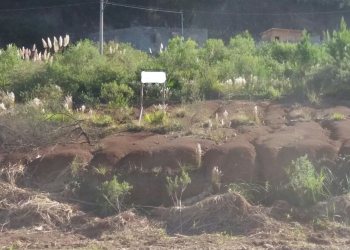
(293, 30)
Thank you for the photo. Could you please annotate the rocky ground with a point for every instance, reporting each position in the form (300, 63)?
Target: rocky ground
(247, 146)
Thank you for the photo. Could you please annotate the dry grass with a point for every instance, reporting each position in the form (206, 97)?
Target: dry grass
(19, 207)
(229, 213)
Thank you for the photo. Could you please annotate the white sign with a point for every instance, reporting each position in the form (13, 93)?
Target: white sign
(153, 77)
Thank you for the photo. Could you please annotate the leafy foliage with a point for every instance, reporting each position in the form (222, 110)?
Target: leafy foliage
(305, 183)
(112, 195)
(270, 70)
(118, 95)
(177, 185)
(157, 117)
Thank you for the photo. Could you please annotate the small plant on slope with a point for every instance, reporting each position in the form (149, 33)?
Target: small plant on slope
(307, 185)
(158, 117)
(337, 116)
(112, 195)
(177, 185)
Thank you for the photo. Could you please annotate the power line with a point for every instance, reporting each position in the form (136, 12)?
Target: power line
(272, 14)
(144, 8)
(229, 12)
(47, 7)
(152, 9)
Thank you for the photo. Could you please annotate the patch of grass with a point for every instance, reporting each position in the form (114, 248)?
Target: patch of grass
(111, 196)
(101, 170)
(156, 118)
(253, 192)
(58, 117)
(306, 185)
(131, 127)
(171, 126)
(177, 185)
(180, 113)
(337, 116)
(313, 97)
(242, 119)
(102, 120)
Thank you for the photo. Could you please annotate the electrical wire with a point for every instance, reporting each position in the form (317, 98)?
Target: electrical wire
(229, 12)
(144, 8)
(177, 11)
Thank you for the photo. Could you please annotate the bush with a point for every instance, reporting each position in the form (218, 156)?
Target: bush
(102, 120)
(157, 118)
(51, 96)
(111, 196)
(177, 185)
(252, 192)
(337, 116)
(305, 184)
(9, 59)
(181, 62)
(117, 95)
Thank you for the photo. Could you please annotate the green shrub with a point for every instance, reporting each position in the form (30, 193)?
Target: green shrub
(306, 184)
(156, 118)
(51, 95)
(252, 192)
(339, 178)
(58, 117)
(9, 59)
(337, 116)
(111, 196)
(118, 95)
(102, 120)
(181, 62)
(177, 185)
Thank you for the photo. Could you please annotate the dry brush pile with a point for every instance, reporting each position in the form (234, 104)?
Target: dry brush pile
(21, 207)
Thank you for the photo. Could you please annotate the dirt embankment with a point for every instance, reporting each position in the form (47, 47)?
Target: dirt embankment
(249, 152)
(255, 149)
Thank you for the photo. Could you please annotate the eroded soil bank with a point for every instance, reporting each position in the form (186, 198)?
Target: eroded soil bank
(247, 146)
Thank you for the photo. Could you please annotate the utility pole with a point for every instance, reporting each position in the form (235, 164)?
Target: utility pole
(101, 25)
(182, 24)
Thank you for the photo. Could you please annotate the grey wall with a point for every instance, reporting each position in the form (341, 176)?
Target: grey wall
(144, 38)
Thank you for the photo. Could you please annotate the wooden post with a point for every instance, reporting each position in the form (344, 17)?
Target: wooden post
(164, 94)
(141, 101)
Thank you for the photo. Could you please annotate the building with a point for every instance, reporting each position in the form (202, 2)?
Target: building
(150, 38)
(283, 35)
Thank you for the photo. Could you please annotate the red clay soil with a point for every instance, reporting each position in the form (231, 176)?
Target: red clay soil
(278, 149)
(54, 162)
(259, 152)
(236, 160)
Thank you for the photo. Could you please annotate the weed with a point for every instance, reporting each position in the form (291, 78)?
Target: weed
(337, 116)
(313, 97)
(111, 196)
(305, 183)
(180, 113)
(216, 175)
(101, 120)
(339, 178)
(242, 119)
(251, 191)
(76, 166)
(158, 117)
(177, 185)
(101, 170)
(58, 117)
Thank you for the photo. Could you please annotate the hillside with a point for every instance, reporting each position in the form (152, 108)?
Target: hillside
(222, 18)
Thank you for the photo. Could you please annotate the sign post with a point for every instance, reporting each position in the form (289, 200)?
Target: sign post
(151, 77)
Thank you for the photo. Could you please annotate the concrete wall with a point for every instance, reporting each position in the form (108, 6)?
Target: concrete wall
(283, 35)
(144, 38)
